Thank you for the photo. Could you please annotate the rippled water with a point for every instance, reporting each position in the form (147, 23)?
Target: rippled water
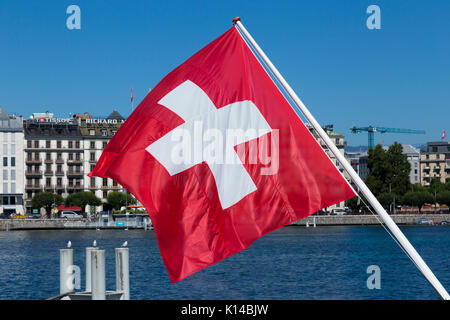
(290, 263)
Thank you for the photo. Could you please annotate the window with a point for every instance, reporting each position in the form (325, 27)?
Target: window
(47, 144)
(13, 149)
(105, 194)
(58, 144)
(5, 137)
(13, 137)
(59, 181)
(92, 156)
(29, 144)
(70, 156)
(59, 156)
(92, 144)
(13, 187)
(12, 200)
(5, 161)
(113, 132)
(434, 149)
(13, 161)
(104, 144)
(5, 187)
(70, 144)
(92, 132)
(5, 149)
(47, 156)
(77, 144)
(36, 144)
(13, 175)
(5, 200)
(5, 174)
(93, 182)
(105, 182)
(77, 156)
(104, 133)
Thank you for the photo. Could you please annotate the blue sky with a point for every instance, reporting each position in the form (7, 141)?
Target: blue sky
(346, 74)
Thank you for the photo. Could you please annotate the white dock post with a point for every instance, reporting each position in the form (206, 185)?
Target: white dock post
(65, 271)
(123, 272)
(314, 222)
(89, 268)
(98, 274)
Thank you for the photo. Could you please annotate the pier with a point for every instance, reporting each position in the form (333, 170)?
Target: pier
(318, 220)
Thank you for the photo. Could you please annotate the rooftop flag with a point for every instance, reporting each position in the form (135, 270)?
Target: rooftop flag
(443, 135)
(219, 158)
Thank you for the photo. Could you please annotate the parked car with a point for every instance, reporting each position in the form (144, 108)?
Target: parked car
(71, 215)
(339, 212)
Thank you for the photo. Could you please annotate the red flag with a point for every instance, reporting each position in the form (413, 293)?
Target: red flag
(219, 158)
(443, 135)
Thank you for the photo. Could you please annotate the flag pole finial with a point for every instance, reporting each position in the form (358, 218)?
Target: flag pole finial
(236, 19)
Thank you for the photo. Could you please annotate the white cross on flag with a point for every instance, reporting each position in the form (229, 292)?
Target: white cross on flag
(219, 158)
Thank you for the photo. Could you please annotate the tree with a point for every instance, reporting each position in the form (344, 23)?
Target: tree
(418, 198)
(398, 177)
(82, 199)
(46, 200)
(389, 170)
(386, 199)
(120, 199)
(443, 197)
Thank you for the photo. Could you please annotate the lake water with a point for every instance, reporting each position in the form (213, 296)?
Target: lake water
(290, 263)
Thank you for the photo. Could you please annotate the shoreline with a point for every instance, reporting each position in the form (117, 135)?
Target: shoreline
(325, 220)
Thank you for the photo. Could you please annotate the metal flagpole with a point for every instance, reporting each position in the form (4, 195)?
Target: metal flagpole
(394, 229)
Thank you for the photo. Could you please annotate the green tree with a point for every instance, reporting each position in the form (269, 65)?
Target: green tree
(398, 177)
(386, 199)
(82, 199)
(443, 197)
(46, 200)
(418, 198)
(120, 199)
(389, 170)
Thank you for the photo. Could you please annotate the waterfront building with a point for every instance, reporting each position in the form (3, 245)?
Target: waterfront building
(435, 163)
(96, 134)
(338, 140)
(413, 156)
(12, 170)
(53, 156)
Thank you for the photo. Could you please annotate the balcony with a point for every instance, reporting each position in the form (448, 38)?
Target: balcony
(59, 161)
(74, 162)
(33, 161)
(33, 173)
(74, 187)
(92, 161)
(426, 168)
(60, 187)
(33, 187)
(49, 187)
(48, 172)
(74, 173)
(59, 173)
(49, 161)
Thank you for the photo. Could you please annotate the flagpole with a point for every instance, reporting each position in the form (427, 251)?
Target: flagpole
(390, 224)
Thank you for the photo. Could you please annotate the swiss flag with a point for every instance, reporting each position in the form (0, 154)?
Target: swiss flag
(208, 195)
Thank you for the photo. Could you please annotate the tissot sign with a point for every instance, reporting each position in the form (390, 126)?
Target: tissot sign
(56, 120)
